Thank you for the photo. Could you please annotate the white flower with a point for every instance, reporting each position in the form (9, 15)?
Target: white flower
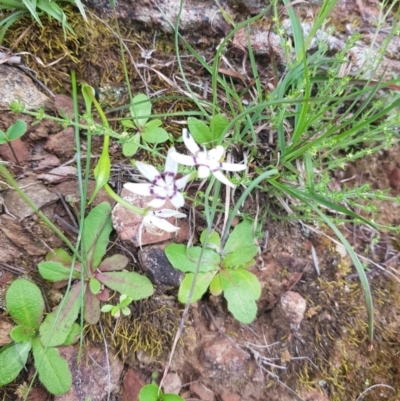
(207, 162)
(163, 185)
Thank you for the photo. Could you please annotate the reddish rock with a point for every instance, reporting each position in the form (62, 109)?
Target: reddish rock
(230, 397)
(20, 150)
(48, 160)
(132, 383)
(221, 354)
(293, 307)
(204, 393)
(394, 178)
(62, 144)
(172, 384)
(64, 105)
(58, 174)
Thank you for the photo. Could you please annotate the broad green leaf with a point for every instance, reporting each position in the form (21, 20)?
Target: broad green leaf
(215, 286)
(155, 135)
(91, 308)
(113, 263)
(130, 147)
(107, 308)
(202, 283)
(101, 172)
(199, 131)
(154, 123)
(240, 257)
(96, 231)
(240, 237)
(3, 137)
(241, 289)
(24, 303)
(61, 256)
(16, 130)
(132, 284)
(150, 392)
(57, 325)
(217, 126)
(20, 334)
(73, 335)
(12, 360)
(55, 271)
(213, 239)
(53, 370)
(186, 259)
(140, 109)
(127, 124)
(94, 286)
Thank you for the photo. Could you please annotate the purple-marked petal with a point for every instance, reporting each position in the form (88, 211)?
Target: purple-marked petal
(177, 200)
(220, 177)
(140, 189)
(203, 171)
(171, 167)
(184, 159)
(157, 202)
(165, 213)
(233, 167)
(181, 182)
(216, 153)
(151, 173)
(190, 142)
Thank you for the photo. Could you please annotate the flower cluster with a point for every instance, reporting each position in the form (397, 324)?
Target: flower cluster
(164, 186)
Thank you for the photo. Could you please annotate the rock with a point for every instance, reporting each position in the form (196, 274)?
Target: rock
(62, 144)
(394, 178)
(94, 377)
(202, 392)
(58, 174)
(293, 307)
(132, 383)
(172, 384)
(48, 160)
(230, 397)
(64, 105)
(20, 149)
(35, 190)
(221, 354)
(154, 261)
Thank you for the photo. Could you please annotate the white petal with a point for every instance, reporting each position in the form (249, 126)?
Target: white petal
(151, 173)
(171, 167)
(181, 183)
(219, 176)
(189, 141)
(140, 189)
(216, 153)
(162, 224)
(169, 213)
(157, 202)
(233, 167)
(178, 200)
(203, 172)
(183, 159)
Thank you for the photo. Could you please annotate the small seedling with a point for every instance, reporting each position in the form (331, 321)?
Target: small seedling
(151, 392)
(25, 304)
(121, 307)
(222, 271)
(149, 131)
(97, 277)
(14, 132)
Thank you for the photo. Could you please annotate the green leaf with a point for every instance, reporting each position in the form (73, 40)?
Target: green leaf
(241, 289)
(130, 147)
(132, 284)
(154, 123)
(127, 124)
(101, 172)
(202, 283)
(61, 256)
(140, 106)
(94, 286)
(54, 330)
(150, 393)
(185, 259)
(12, 359)
(113, 263)
(96, 231)
(3, 137)
(24, 303)
(107, 308)
(154, 135)
(31, 6)
(16, 130)
(20, 334)
(214, 240)
(55, 271)
(199, 131)
(217, 126)
(91, 308)
(53, 370)
(240, 257)
(73, 335)
(240, 237)
(215, 286)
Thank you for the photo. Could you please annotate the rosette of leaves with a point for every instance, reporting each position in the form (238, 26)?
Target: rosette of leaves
(151, 392)
(221, 271)
(93, 283)
(149, 131)
(25, 305)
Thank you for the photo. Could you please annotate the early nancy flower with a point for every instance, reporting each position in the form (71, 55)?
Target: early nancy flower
(207, 162)
(163, 186)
